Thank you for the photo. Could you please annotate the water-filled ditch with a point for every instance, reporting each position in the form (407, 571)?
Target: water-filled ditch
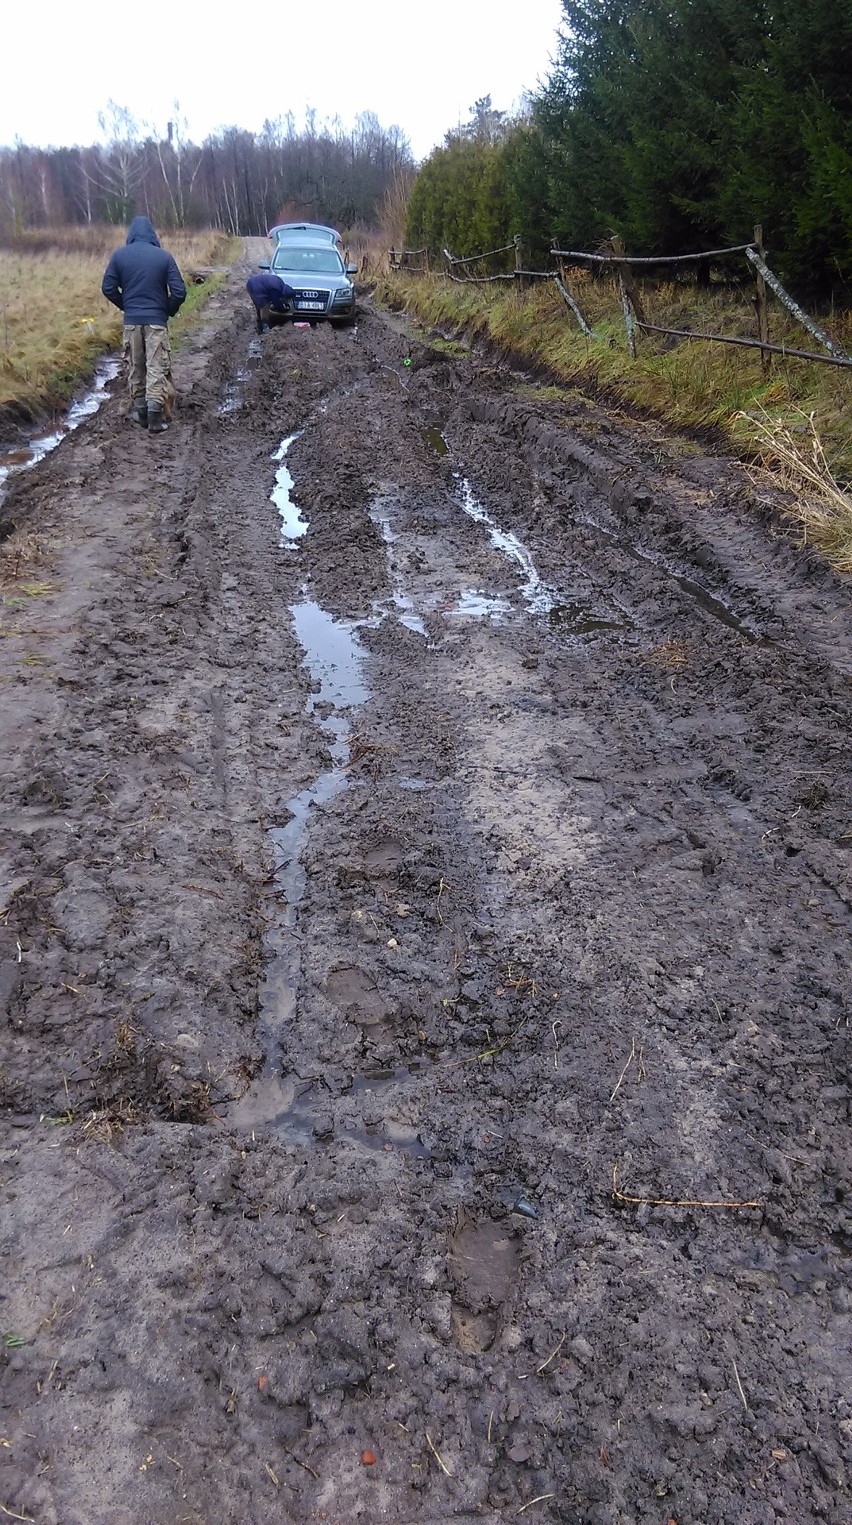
(23, 457)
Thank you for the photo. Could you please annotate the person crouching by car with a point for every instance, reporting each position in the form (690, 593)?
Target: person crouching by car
(269, 294)
(144, 283)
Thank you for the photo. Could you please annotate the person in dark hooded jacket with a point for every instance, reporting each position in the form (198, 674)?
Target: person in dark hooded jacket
(144, 282)
(269, 294)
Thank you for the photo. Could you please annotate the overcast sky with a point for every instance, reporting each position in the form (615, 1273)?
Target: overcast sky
(419, 65)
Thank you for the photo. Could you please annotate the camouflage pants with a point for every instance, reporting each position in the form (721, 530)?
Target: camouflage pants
(148, 360)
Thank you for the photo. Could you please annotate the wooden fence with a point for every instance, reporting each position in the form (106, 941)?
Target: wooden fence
(614, 256)
(416, 261)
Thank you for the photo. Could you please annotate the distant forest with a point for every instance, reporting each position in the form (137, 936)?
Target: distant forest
(677, 125)
(238, 181)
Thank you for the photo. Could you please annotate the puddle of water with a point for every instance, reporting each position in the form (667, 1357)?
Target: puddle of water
(232, 400)
(472, 603)
(435, 440)
(379, 517)
(406, 611)
(79, 410)
(576, 618)
(537, 596)
(334, 658)
(475, 605)
(233, 396)
(715, 606)
(293, 526)
(408, 615)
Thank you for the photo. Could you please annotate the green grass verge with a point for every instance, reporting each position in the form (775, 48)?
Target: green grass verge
(187, 320)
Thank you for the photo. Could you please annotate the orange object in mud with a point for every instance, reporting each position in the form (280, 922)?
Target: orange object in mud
(368, 1458)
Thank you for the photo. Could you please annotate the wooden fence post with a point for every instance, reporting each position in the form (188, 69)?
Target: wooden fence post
(629, 284)
(519, 261)
(761, 303)
(427, 262)
(624, 288)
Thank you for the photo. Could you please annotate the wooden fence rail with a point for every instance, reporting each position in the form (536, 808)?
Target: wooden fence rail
(762, 344)
(399, 259)
(473, 258)
(630, 297)
(647, 259)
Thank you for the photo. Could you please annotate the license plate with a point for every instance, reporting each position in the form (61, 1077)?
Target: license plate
(309, 306)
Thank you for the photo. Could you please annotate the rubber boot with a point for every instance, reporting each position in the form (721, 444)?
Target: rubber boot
(139, 413)
(157, 421)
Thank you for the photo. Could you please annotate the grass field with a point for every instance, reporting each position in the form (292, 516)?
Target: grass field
(794, 421)
(54, 323)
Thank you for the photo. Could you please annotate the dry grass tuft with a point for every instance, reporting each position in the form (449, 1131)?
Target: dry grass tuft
(23, 554)
(105, 1125)
(820, 507)
(672, 656)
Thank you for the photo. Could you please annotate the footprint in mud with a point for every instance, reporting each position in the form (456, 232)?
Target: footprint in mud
(383, 858)
(485, 1259)
(354, 992)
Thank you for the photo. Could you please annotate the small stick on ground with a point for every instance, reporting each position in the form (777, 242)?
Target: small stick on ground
(443, 1466)
(623, 1196)
(553, 1354)
(739, 1385)
(490, 1422)
(553, 1027)
(442, 885)
(276, 1480)
(630, 1058)
(300, 1463)
(537, 1500)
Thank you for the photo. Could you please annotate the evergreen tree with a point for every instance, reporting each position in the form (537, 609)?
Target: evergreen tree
(792, 165)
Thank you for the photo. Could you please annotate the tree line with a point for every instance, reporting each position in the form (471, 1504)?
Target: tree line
(235, 180)
(678, 125)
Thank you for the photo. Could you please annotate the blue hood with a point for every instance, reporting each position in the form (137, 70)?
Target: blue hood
(142, 279)
(142, 231)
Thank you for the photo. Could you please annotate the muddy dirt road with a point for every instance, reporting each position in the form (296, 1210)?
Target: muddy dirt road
(424, 951)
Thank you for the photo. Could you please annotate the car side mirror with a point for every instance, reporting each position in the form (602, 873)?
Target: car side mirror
(351, 269)
(264, 264)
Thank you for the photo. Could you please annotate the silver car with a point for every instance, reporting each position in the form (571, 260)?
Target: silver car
(319, 278)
